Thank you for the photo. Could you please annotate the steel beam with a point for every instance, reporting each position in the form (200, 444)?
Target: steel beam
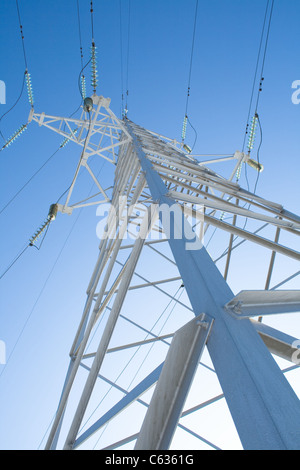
(131, 396)
(263, 302)
(232, 208)
(173, 385)
(254, 386)
(282, 345)
(109, 328)
(252, 237)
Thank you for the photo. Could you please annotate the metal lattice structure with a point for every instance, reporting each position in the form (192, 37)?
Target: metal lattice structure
(163, 203)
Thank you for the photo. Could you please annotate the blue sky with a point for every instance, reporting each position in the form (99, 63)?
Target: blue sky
(42, 295)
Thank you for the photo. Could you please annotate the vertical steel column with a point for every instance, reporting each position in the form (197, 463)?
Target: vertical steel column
(230, 247)
(264, 407)
(173, 385)
(148, 220)
(107, 250)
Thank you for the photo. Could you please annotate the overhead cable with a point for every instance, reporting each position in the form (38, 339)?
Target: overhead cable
(186, 117)
(27, 80)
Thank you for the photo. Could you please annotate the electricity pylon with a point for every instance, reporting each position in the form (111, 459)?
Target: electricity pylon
(164, 196)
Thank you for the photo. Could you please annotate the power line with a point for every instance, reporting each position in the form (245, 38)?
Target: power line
(196, 133)
(257, 66)
(264, 56)
(37, 171)
(260, 86)
(27, 74)
(92, 60)
(94, 71)
(41, 292)
(124, 109)
(13, 262)
(191, 59)
(121, 50)
(28, 181)
(52, 269)
(13, 106)
(258, 158)
(22, 35)
(256, 118)
(26, 79)
(46, 224)
(186, 118)
(81, 79)
(128, 50)
(92, 20)
(255, 76)
(79, 33)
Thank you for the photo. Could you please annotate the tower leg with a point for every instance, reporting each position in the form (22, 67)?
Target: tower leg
(148, 220)
(264, 407)
(173, 385)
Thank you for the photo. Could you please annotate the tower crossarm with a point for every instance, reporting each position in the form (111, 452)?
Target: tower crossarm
(210, 197)
(97, 131)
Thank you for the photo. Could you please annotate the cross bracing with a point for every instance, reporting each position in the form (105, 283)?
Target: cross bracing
(151, 172)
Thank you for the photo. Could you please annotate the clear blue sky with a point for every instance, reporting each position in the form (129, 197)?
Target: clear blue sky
(43, 294)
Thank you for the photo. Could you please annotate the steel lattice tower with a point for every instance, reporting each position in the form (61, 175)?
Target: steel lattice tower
(156, 182)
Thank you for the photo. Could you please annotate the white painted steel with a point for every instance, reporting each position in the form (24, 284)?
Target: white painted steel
(151, 169)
